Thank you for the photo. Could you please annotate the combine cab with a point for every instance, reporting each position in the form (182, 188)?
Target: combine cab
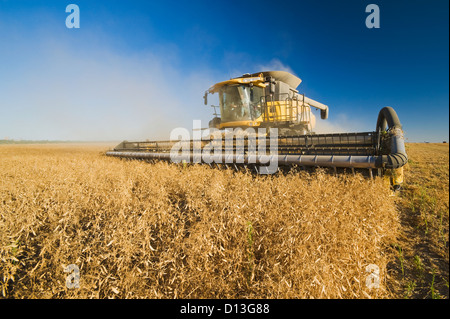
(265, 100)
(264, 119)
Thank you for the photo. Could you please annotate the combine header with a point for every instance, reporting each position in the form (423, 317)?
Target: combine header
(264, 119)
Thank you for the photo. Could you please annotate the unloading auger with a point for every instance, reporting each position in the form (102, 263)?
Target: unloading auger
(264, 119)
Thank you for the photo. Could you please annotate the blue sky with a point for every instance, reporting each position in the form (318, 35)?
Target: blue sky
(138, 69)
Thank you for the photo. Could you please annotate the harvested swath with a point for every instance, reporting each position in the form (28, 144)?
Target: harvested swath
(139, 230)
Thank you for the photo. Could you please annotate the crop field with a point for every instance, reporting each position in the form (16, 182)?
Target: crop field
(160, 230)
(422, 251)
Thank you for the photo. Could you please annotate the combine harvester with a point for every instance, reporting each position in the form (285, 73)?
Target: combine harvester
(264, 119)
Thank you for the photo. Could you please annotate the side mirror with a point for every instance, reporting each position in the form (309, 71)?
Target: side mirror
(205, 98)
(324, 114)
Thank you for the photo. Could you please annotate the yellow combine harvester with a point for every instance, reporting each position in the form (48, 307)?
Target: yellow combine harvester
(263, 118)
(266, 99)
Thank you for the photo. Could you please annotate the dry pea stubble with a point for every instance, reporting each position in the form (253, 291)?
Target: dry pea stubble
(139, 230)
